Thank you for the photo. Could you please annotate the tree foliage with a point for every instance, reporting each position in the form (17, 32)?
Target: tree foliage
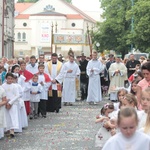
(33, 1)
(141, 35)
(27, 1)
(69, 1)
(114, 33)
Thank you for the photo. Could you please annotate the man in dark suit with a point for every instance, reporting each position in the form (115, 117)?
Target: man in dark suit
(131, 65)
(83, 77)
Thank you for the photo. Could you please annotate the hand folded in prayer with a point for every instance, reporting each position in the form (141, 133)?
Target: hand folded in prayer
(53, 81)
(8, 106)
(69, 71)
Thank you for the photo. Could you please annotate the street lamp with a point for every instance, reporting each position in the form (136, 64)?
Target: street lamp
(132, 23)
(97, 45)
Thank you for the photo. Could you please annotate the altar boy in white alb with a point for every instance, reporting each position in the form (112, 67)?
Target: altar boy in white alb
(44, 80)
(69, 72)
(94, 68)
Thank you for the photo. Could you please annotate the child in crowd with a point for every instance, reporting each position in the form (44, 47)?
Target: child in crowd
(2, 74)
(3, 102)
(24, 81)
(134, 89)
(23, 120)
(128, 138)
(12, 95)
(135, 74)
(146, 128)
(32, 67)
(44, 80)
(120, 94)
(35, 91)
(129, 100)
(104, 134)
(145, 103)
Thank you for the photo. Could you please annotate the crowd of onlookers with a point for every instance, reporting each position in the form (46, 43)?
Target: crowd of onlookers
(125, 119)
(30, 87)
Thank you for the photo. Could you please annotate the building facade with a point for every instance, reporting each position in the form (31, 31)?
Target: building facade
(7, 28)
(35, 23)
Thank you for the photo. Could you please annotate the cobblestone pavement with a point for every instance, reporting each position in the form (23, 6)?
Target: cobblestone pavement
(73, 128)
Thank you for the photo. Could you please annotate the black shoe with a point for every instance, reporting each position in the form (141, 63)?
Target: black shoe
(57, 111)
(70, 104)
(65, 103)
(31, 117)
(44, 116)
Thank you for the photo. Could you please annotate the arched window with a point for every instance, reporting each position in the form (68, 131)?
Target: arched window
(23, 36)
(19, 36)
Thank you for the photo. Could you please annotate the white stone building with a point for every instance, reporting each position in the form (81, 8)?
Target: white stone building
(33, 26)
(6, 28)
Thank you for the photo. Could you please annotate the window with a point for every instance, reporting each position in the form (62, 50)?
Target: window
(24, 24)
(73, 24)
(19, 36)
(20, 53)
(23, 36)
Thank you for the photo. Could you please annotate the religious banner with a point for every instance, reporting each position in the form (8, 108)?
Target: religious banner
(45, 33)
(69, 39)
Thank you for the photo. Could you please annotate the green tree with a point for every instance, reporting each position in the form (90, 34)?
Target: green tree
(69, 1)
(29, 1)
(141, 34)
(32, 1)
(113, 32)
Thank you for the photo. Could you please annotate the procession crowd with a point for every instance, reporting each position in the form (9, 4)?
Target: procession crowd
(32, 87)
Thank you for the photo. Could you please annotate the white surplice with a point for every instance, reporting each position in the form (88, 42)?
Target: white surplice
(23, 120)
(45, 87)
(2, 113)
(53, 75)
(94, 87)
(31, 69)
(68, 79)
(12, 94)
(25, 87)
(2, 108)
(139, 141)
(117, 80)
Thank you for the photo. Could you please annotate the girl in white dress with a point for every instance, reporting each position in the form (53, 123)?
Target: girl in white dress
(104, 134)
(3, 102)
(18, 81)
(145, 103)
(134, 89)
(12, 95)
(120, 94)
(128, 138)
(129, 100)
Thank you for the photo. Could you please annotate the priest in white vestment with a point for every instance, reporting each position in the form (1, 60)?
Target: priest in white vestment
(55, 90)
(68, 74)
(117, 74)
(94, 68)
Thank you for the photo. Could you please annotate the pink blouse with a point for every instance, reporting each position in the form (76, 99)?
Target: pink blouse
(143, 84)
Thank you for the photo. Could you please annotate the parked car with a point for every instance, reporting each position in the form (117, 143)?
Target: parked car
(137, 55)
